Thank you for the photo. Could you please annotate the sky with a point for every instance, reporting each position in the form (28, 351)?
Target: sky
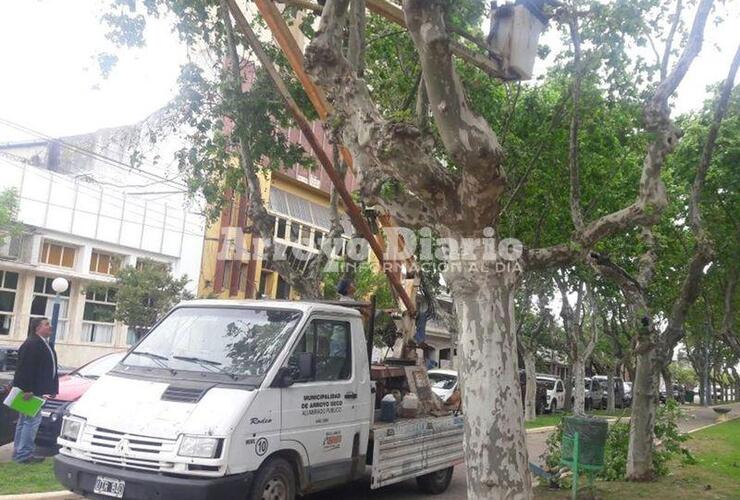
(50, 82)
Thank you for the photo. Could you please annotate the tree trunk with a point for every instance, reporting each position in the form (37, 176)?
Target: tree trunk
(610, 393)
(568, 391)
(530, 402)
(702, 392)
(706, 380)
(668, 379)
(495, 441)
(579, 373)
(644, 406)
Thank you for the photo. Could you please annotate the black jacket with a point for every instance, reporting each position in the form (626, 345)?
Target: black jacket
(36, 372)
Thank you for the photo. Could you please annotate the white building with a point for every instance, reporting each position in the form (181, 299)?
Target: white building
(83, 232)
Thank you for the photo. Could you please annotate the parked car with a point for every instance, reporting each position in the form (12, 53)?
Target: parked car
(8, 417)
(8, 358)
(591, 387)
(555, 396)
(678, 391)
(444, 383)
(71, 387)
(601, 402)
(541, 397)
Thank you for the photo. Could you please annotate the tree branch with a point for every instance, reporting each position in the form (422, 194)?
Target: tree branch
(356, 51)
(669, 40)
(381, 149)
(711, 141)
(703, 250)
(467, 137)
(576, 212)
(652, 197)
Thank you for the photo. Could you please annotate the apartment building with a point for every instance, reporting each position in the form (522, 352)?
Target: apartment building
(84, 232)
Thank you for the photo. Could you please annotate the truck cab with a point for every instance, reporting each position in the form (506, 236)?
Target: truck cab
(231, 399)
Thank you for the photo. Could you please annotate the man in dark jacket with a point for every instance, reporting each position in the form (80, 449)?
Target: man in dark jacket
(36, 375)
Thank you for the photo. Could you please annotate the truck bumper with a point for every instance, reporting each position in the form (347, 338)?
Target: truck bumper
(79, 476)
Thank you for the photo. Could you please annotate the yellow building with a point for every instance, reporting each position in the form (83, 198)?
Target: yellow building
(232, 266)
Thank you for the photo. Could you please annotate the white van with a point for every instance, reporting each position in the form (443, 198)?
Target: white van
(246, 399)
(555, 391)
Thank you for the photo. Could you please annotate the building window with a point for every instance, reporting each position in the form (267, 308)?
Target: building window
(306, 236)
(55, 254)
(283, 289)
(43, 303)
(263, 291)
(318, 238)
(8, 286)
(281, 228)
(103, 263)
(97, 320)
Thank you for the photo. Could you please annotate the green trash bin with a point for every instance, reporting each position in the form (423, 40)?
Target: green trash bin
(688, 396)
(584, 441)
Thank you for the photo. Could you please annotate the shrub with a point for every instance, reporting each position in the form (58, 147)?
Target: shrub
(669, 445)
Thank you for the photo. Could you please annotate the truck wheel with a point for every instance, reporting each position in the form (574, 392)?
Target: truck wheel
(435, 482)
(275, 480)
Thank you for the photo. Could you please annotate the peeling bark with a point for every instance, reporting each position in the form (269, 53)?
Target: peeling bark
(579, 390)
(644, 407)
(495, 443)
(530, 401)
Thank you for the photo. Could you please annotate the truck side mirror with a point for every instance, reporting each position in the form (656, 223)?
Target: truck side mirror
(306, 364)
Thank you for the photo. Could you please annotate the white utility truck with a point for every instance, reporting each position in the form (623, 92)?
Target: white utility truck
(247, 400)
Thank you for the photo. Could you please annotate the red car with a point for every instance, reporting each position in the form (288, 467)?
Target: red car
(71, 388)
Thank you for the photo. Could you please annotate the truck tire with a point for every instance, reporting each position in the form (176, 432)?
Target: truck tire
(275, 480)
(435, 483)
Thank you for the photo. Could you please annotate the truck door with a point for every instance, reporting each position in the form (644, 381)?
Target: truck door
(324, 412)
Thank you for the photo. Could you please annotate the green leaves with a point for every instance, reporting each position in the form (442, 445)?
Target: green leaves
(146, 292)
(9, 206)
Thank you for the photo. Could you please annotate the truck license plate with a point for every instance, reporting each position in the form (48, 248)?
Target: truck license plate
(109, 487)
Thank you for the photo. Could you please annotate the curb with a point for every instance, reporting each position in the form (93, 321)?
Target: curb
(734, 417)
(549, 428)
(49, 495)
(535, 430)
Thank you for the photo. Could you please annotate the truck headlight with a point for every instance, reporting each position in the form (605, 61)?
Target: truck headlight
(71, 429)
(199, 447)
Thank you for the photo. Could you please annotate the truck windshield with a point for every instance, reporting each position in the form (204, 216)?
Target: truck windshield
(548, 383)
(237, 342)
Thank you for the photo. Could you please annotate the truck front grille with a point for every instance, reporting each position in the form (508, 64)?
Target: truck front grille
(127, 450)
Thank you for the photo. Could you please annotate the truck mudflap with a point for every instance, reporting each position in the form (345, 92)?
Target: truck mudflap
(410, 448)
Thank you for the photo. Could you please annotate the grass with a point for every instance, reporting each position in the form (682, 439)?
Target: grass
(715, 476)
(36, 478)
(549, 419)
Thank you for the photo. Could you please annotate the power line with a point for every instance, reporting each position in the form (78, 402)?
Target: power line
(105, 159)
